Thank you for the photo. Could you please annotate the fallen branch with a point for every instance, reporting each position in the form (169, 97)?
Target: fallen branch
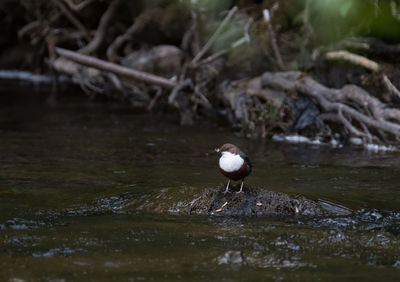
(353, 58)
(116, 69)
(366, 63)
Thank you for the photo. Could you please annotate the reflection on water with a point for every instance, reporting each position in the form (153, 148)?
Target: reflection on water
(69, 167)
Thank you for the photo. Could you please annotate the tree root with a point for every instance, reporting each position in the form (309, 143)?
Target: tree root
(361, 114)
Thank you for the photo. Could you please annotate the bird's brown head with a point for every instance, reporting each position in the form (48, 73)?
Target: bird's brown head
(228, 148)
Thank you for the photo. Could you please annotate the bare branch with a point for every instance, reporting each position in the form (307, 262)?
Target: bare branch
(155, 98)
(29, 28)
(72, 19)
(213, 57)
(174, 93)
(353, 58)
(139, 23)
(114, 68)
(389, 85)
(80, 6)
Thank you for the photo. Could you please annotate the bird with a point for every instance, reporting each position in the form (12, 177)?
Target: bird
(233, 164)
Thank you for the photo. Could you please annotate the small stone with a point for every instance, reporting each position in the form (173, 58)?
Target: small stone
(231, 257)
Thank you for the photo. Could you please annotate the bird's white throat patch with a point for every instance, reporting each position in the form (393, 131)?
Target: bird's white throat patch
(230, 162)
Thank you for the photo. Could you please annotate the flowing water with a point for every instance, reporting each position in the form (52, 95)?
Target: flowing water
(68, 167)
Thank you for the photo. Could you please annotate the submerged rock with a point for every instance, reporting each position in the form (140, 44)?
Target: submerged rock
(212, 201)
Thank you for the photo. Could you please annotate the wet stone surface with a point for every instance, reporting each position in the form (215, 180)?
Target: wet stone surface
(212, 201)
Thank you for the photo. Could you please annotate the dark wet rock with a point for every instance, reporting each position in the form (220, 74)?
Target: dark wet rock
(248, 203)
(305, 111)
(212, 201)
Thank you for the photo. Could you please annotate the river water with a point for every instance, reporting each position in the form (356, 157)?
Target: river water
(68, 167)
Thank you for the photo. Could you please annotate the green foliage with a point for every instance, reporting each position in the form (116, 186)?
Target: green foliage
(333, 20)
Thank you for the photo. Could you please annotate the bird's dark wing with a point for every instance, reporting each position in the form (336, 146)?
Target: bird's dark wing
(247, 160)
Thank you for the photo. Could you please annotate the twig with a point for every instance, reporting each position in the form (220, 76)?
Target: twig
(389, 85)
(155, 98)
(188, 36)
(353, 58)
(29, 28)
(72, 19)
(101, 29)
(214, 36)
(112, 50)
(174, 93)
(51, 47)
(222, 207)
(246, 36)
(139, 23)
(117, 69)
(213, 57)
(115, 81)
(242, 40)
(80, 6)
(203, 99)
(275, 48)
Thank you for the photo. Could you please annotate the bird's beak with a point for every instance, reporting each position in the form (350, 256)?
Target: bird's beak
(216, 150)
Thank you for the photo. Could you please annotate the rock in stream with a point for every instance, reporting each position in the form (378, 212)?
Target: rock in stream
(212, 201)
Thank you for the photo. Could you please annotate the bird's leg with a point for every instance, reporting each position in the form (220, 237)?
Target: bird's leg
(241, 188)
(227, 187)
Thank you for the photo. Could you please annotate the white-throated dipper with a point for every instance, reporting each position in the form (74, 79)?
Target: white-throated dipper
(233, 164)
